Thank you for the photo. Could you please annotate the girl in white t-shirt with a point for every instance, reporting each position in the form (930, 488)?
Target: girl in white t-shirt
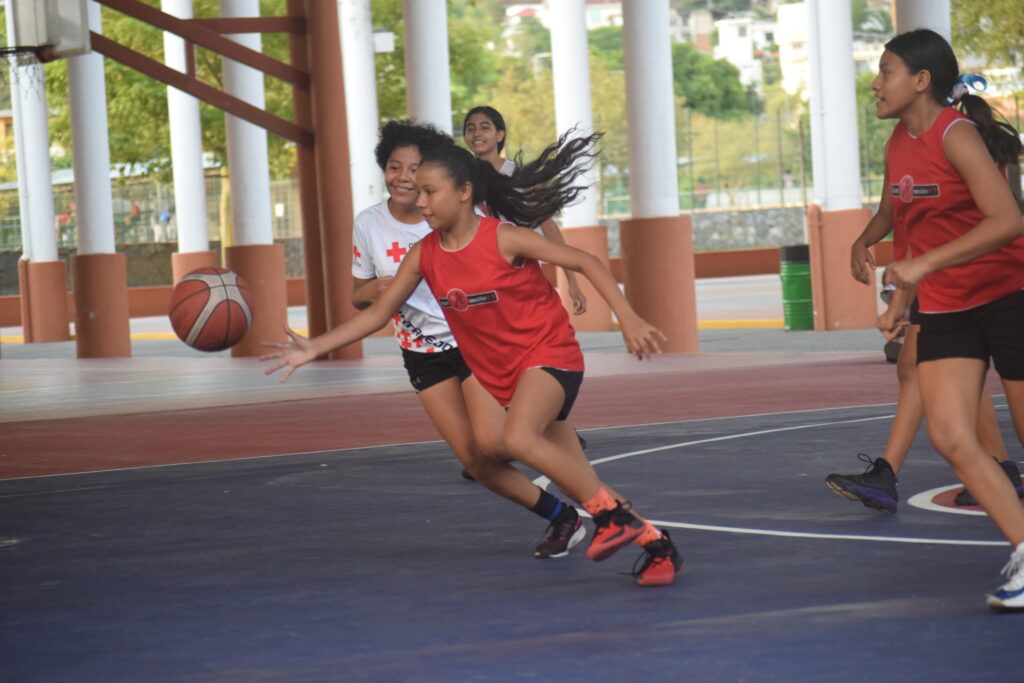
(484, 132)
(383, 235)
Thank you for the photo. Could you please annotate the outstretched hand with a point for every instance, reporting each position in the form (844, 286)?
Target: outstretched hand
(642, 338)
(289, 355)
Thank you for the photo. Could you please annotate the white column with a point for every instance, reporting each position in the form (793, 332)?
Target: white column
(913, 14)
(248, 165)
(570, 65)
(186, 144)
(88, 103)
(428, 84)
(833, 106)
(28, 91)
(360, 87)
(650, 109)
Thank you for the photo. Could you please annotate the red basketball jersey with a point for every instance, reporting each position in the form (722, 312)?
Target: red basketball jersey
(931, 206)
(506, 318)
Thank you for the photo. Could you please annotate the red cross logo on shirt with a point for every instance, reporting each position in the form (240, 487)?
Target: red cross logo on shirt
(355, 251)
(396, 252)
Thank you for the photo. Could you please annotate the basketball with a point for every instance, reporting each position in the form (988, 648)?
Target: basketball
(211, 309)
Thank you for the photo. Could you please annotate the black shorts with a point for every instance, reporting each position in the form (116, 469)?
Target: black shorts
(427, 369)
(570, 381)
(994, 330)
(915, 313)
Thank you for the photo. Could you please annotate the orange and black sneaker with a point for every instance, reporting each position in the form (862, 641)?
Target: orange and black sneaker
(614, 528)
(661, 562)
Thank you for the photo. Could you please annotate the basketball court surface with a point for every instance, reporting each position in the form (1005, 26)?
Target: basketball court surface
(182, 517)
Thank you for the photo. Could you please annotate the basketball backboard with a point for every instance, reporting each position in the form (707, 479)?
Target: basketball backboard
(60, 25)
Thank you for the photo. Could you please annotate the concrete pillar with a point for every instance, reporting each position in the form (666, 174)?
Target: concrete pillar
(360, 86)
(836, 218)
(186, 159)
(252, 252)
(43, 287)
(657, 243)
(426, 63)
(100, 275)
(908, 15)
(570, 65)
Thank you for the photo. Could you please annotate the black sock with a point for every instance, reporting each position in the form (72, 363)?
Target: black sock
(548, 506)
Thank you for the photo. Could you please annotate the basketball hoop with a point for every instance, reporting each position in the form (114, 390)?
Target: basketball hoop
(20, 60)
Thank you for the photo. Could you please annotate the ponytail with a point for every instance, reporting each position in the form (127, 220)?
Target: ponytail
(535, 191)
(1000, 138)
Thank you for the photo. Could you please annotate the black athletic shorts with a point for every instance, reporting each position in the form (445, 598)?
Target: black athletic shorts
(427, 369)
(994, 330)
(570, 381)
(915, 313)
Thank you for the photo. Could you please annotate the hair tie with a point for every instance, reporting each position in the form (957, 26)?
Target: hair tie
(963, 87)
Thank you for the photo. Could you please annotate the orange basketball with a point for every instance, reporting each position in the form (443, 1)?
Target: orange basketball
(211, 309)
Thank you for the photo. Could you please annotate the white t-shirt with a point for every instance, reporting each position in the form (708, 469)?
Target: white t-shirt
(380, 242)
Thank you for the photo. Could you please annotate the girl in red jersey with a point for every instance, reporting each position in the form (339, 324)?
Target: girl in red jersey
(512, 330)
(947, 194)
(382, 236)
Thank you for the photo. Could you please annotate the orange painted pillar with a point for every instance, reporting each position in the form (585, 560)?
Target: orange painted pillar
(592, 239)
(840, 302)
(44, 298)
(658, 274)
(102, 319)
(183, 263)
(262, 266)
(334, 184)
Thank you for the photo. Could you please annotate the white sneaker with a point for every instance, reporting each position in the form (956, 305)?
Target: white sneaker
(1010, 595)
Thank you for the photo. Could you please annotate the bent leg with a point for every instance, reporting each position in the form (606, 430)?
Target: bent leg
(446, 408)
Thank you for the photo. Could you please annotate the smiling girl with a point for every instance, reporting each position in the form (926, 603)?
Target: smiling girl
(484, 131)
(513, 332)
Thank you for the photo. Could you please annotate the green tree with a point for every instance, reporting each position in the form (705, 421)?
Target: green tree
(709, 86)
(473, 34)
(993, 29)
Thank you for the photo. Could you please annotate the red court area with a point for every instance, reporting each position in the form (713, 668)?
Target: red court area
(618, 391)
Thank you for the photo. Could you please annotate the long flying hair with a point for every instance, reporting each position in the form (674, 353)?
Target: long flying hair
(925, 50)
(536, 191)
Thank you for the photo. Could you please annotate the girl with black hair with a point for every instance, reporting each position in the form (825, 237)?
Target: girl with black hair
(949, 202)
(512, 330)
(382, 237)
(484, 131)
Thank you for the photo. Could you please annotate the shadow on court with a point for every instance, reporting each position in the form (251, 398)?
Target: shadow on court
(382, 564)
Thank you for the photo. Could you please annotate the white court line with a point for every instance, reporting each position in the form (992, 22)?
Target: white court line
(544, 482)
(923, 500)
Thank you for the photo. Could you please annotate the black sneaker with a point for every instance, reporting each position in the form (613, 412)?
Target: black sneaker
(876, 488)
(661, 562)
(563, 533)
(966, 498)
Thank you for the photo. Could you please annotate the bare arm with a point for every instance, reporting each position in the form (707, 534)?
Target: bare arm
(365, 292)
(551, 230)
(298, 350)
(641, 338)
(862, 263)
(1001, 222)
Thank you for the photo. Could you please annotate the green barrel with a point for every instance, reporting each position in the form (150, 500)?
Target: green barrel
(795, 271)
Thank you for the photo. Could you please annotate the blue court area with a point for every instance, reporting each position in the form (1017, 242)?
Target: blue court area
(382, 564)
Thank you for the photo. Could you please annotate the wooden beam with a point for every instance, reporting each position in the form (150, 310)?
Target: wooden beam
(200, 90)
(211, 40)
(293, 25)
